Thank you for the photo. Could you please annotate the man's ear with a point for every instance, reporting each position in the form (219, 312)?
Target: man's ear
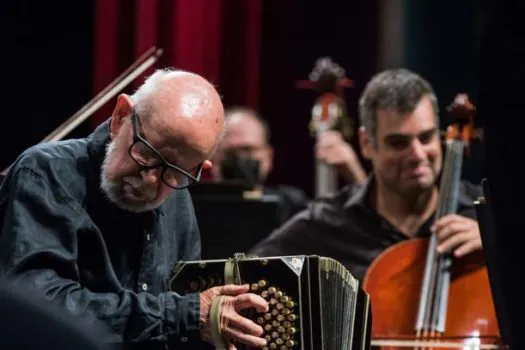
(207, 165)
(365, 143)
(123, 108)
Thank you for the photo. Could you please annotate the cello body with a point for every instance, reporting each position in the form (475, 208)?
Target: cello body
(394, 281)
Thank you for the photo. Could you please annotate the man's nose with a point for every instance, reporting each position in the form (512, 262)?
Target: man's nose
(417, 150)
(150, 176)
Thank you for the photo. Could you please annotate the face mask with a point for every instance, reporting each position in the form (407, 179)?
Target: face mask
(242, 170)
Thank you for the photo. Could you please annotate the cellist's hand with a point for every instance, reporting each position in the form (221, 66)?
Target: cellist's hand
(458, 234)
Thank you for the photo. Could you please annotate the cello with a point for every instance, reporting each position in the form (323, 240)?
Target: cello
(328, 113)
(425, 300)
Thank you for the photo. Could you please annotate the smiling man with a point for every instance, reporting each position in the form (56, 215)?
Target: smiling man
(97, 224)
(399, 134)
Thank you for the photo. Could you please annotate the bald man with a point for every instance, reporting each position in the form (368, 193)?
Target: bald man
(97, 224)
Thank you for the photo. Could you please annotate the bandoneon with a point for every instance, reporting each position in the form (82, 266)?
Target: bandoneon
(315, 303)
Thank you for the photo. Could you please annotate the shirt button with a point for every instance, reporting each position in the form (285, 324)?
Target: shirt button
(183, 339)
(144, 287)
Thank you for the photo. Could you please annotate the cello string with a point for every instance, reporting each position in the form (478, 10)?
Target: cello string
(445, 180)
(444, 197)
(436, 276)
(444, 263)
(447, 193)
(426, 299)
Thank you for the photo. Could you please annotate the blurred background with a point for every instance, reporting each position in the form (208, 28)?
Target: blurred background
(58, 55)
(62, 53)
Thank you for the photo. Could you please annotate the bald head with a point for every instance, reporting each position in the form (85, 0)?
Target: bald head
(182, 105)
(180, 117)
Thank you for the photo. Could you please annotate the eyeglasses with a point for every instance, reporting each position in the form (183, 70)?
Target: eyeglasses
(145, 155)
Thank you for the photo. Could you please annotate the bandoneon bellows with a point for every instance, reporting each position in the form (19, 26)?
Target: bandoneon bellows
(315, 303)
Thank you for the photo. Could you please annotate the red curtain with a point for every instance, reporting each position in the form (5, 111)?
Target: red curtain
(219, 39)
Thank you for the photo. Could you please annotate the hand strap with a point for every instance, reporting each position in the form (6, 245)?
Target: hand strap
(215, 323)
(231, 271)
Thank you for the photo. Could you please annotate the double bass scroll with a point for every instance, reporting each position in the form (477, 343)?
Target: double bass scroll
(328, 113)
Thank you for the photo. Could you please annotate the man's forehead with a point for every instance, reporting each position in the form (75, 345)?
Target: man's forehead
(413, 123)
(244, 127)
(177, 141)
(241, 120)
(177, 148)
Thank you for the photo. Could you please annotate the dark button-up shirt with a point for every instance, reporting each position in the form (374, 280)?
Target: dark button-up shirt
(347, 228)
(61, 234)
(291, 199)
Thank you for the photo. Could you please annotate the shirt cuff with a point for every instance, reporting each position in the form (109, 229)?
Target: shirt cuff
(182, 317)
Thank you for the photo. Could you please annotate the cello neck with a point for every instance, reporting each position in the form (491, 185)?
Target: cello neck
(434, 293)
(450, 179)
(431, 317)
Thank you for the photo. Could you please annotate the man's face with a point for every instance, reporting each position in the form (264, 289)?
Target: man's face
(407, 156)
(130, 186)
(245, 137)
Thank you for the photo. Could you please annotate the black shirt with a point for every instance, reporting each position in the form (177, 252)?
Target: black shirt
(345, 227)
(62, 235)
(291, 199)
(28, 323)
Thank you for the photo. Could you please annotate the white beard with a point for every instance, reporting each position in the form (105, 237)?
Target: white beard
(128, 192)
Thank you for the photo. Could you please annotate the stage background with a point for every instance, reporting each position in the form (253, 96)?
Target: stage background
(62, 53)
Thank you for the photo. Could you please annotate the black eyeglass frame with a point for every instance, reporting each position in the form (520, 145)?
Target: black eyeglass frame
(165, 164)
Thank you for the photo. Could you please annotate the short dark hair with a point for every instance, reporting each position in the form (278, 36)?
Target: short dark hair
(249, 111)
(399, 90)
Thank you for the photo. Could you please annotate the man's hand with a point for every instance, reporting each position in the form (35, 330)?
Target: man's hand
(234, 327)
(458, 234)
(332, 149)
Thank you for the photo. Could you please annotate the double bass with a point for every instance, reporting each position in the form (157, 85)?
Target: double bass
(425, 300)
(328, 113)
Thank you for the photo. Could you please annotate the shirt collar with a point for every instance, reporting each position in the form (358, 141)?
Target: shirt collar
(358, 195)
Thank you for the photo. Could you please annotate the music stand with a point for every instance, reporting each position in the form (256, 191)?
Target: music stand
(232, 222)
(501, 270)
(219, 188)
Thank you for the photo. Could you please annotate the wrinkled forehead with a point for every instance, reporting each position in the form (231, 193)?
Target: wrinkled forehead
(186, 142)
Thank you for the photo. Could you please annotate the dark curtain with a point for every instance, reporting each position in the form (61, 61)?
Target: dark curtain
(254, 51)
(47, 47)
(442, 43)
(501, 76)
(294, 34)
(218, 39)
